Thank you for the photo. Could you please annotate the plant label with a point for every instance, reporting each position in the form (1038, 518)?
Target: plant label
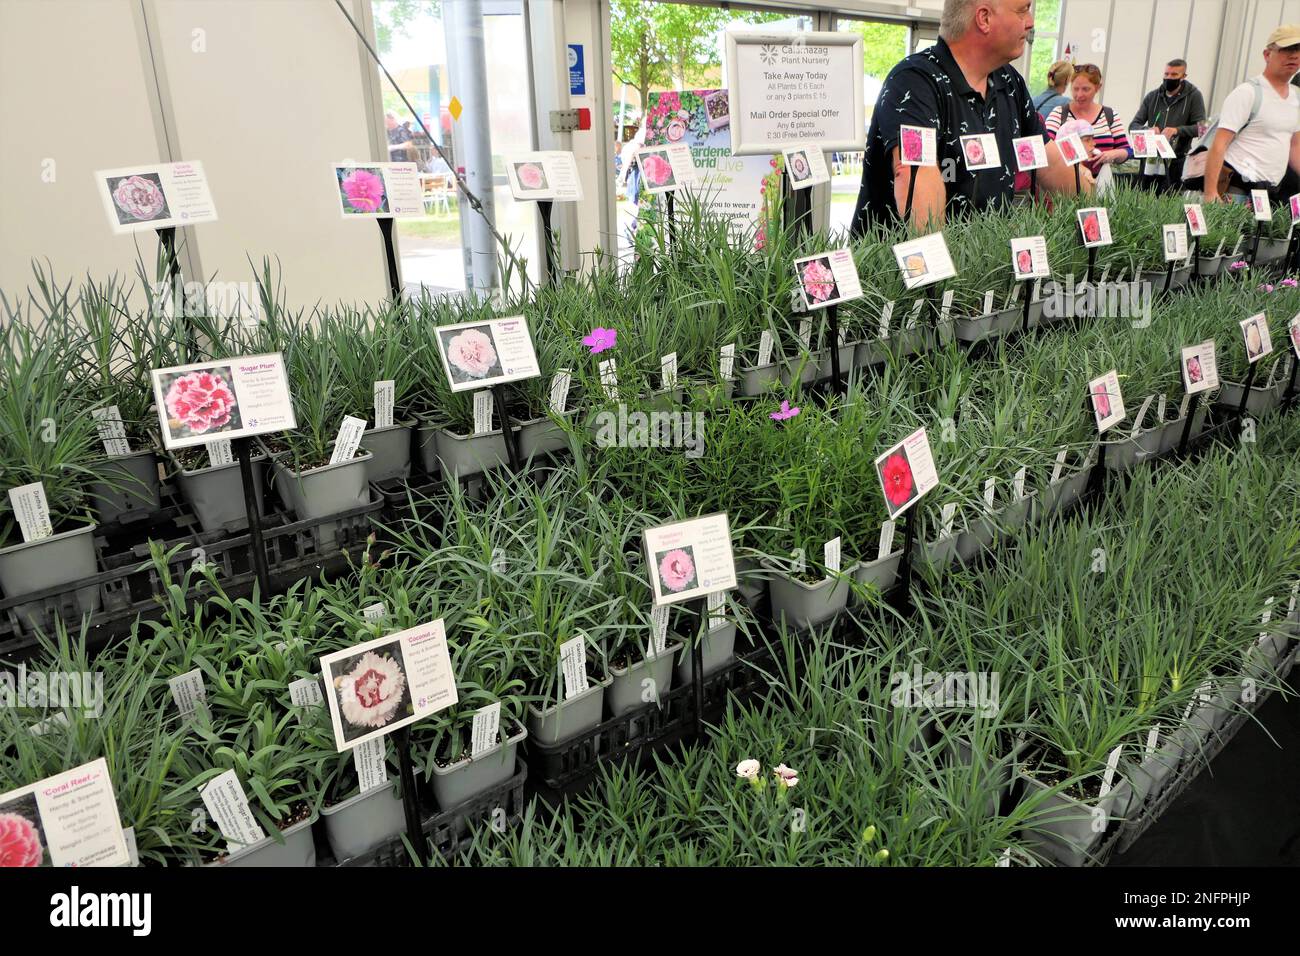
(980, 151)
(1295, 591)
(374, 612)
(668, 371)
(1059, 465)
(31, 510)
(831, 554)
(480, 354)
(1031, 153)
(370, 760)
(828, 278)
(1194, 213)
(665, 169)
(918, 146)
(765, 348)
(227, 804)
(1140, 140)
(483, 405)
(1164, 149)
(45, 726)
(805, 334)
(132, 849)
(1161, 402)
(1038, 289)
(1107, 401)
(886, 314)
(486, 726)
(1293, 331)
(924, 261)
(1112, 764)
(988, 303)
(1153, 740)
(1141, 414)
(385, 399)
(915, 315)
(224, 398)
(560, 391)
(551, 174)
(1254, 331)
(1094, 226)
(716, 602)
(805, 165)
(67, 820)
(947, 514)
(727, 362)
(945, 306)
(990, 493)
(1259, 205)
(609, 378)
(1183, 405)
(1014, 295)
(1072, 150)
(378, 190)
(348, 440)
(1018, 483)
(305, 692)
(1029, 258)
(188, 691)
(1175, 240)
(112, 432)
(906, 472)
(379, 686)
(658, 629)
(145, 198)
(220, 452)
(1004, 858)
(884, 547)
(573, 665)
(1200, 368)
(688, 559)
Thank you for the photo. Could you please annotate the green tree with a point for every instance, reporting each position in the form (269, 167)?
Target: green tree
(636, 53)
(883, 45)
(688, 36)
(394, 17)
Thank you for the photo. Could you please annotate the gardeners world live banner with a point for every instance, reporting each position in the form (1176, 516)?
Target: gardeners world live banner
(731, 186)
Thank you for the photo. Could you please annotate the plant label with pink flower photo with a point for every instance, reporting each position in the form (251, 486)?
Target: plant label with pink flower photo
(828, 278)
(1031, 153)
(67, 820)
(1293, 330)
(1029, 258)
(805, 165)
(378, 686)
(1107, 401)
(31, 510)
(1094, 225)
(924, 261)
(1294, 204)
(551, 175)
(385, 399)
(689, 559)
(1142, 143)
(1259, 204)
(1254, 331)
(1200, 368)
(1195, 216)
(112, 431)
(980, 151)
(1175, 240)
(1072, 149)
(906, 472)
(666, 169)
(1164, 149)
(918, 146)
(379, 190)
(348, 439)
(481, 354)
(227, 398)
(155, 197)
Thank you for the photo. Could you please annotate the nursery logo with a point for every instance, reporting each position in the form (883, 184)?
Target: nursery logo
(1102, 300)
(60, 690)
(951, 691)
(658, 429)
(76, 909)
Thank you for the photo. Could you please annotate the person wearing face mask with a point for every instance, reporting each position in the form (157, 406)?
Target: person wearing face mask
(1109, 132)
(1174, 109)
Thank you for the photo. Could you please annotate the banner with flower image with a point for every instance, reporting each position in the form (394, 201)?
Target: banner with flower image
(226, 398)
(730, 186)
(155, 197)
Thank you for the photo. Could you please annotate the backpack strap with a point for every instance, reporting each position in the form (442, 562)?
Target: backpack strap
(1258, 104)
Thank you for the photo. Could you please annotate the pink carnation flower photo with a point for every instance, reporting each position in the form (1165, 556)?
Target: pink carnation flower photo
(362, 190)
(818, 280)
(658, 171)
(531, 176)
(21, 837)
(138, 198)
(200, 402)
(1025, 154)
(471, 354)
(913, 145)
(372, 690)
(676, 569)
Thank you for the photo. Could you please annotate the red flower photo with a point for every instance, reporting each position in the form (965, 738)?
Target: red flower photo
(1091, 228)
(1024, 262)
(897, 480)
(1101, 401)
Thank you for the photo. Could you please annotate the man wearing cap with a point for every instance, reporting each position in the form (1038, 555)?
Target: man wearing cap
(960, 86)
(1254, 147)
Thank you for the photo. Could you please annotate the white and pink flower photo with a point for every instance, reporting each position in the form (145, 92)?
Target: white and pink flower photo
(138, 198)
(818, 281)
(472, 354)
(200, 402)
(657, 169)
(361, 190)
(531, 176)
(676, 569)
(372, 689)
(22, 841)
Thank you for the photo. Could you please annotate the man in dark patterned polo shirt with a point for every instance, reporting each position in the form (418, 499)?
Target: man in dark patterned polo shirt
(960, 86)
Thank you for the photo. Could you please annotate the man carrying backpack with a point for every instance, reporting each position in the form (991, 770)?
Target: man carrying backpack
(1258, 134)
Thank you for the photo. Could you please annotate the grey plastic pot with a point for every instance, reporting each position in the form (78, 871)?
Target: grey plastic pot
(808, 605)
(627, 692)
(1263, 399)
(1211, 266)
(907, 342)
(298, 849)
(570, 718)
(881, 574)
(62, 558)
(719, 650)
(324, 491)
(1065, 492)
(1062, 827)
(976, 538)
(466, 779)
(997, 772)
(1149, 778)
(936, 554)
(543, 436)
(1171, 432)
(803, 368)
(750, 582)
(217, 494)
(990, 326)
(465, 455)
(1270, 250)
(390, 451)
(1156, 277)
(127, 489)
(1122, 454)
(758, 379)
(869, 353)
(364, 821)
(847, 353)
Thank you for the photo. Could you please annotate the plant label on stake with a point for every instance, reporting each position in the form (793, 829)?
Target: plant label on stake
(667, 168)
(1031, 153)
(1107, 401)
(482, 354)
(227, 804)
(551, 175)
(947, 514)
(379, 686)
(831, 555)
(717, 601)
(1195, 216)
(146, 198)
(1059, 466)
(1175, 239)
(886, 314)
(688, 559)
(220, 452)
(609, 378)
(188, 692)
(805, 165)
(885, 545)
(918, 146)
(727, 362)
(305, 692)
(668, 371)
(1200, 368)
(1094, 225)
(374, 612)
(1254, 331)
(658, 630)
(31, 510)
(1071, 148)
(1293, 330)
(385, 399)
(370, 760)
(67, 820)
(1259, 204)
(828, 278)
(1140, 141)
(378, 190)
(112, 432)
(1112, 764)
(484, 731)
(559, 398)
(348, 440)
(483, 404)
(906, 472)
(1018, 483)
(980, 151)
(924, 261)
(765, 348)
(225, 398)
(573, 665)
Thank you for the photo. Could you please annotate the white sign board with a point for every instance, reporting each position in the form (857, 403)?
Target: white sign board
(226, 398)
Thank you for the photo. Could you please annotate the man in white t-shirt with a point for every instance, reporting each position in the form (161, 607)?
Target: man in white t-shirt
(1255, 154)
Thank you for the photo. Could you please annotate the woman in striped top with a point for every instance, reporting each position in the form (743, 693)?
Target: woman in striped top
(1109, 131)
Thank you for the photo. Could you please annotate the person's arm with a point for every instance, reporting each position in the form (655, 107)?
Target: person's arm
(929, 197)
(909, 98)
(1214, 162)
(1058, 176)
(1233, 116)
(1053, 123)
(1295, 151)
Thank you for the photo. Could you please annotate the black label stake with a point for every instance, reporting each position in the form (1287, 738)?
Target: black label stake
(507, 432)
(1245, 390)
(390, 258)
(1187, 425)
(833, 330)
(243, 451)
(548, 240)
(672, 223)
(410, 807)
(697, 661)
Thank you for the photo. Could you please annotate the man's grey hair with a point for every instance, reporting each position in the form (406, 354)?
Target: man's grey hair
(957, 17)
